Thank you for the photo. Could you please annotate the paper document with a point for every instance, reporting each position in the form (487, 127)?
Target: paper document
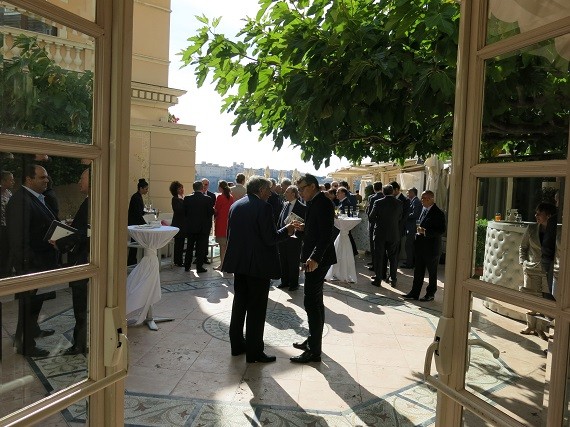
(293, 217)
(57, 230)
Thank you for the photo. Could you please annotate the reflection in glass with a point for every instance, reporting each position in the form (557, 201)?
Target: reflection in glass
(527, 104)
(46, 78)
(82, 8)
(54, 320)
(510, 17)
(517, 380)
(515, 251)
(37, 191)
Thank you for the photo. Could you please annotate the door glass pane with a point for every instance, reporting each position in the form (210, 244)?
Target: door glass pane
(83, 8)
(510, 17)
(512, 249)
(507, 364)
(46, 78)
(44, 345)
(527, 104)
(37, 191)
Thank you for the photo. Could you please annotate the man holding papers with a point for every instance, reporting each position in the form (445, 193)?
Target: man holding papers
(28, 219)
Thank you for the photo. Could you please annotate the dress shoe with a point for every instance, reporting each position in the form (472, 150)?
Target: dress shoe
(282, 285)
(370, 268)
(33, 352)
(71, 351)
(373, 278)
(44, 333)
(375, 283)
(301, 345)
(201, 270)
(238, 351)
(410, 297)
(262, 358)
(427, 298)
(394, 283)
(370, 264)
(293, 288)
(407, 266)
(186, 268)
(305, 357)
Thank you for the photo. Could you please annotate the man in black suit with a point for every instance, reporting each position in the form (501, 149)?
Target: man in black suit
(386, 215)
(405, 210)
(290, 249)
(413, 215)
(318, 254)
(378, 194)
(198, 211)
(77, 247)
(253, 258)
(427, 247)
(275, 201)
(207, 192)
(28, 219)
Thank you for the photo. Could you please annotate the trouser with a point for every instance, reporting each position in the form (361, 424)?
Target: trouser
(178, 250)
(79, 294)
(250, 307)
(315, 307)
(385, 252)
(289, 258)
(422, 263)
(29, 307)
(200, 242)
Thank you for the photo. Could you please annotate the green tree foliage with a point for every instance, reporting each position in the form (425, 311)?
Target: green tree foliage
(40, 98)
(352, 78)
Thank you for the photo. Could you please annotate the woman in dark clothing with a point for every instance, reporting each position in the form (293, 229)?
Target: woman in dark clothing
(177, 191)
(136, 212)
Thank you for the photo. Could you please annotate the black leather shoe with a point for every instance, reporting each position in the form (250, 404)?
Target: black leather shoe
(427, 298)
(375, 283)
(373, 278)
(394, 283)
(293, 288)
(410, 297)
(370, 268)
(369, 264)
(71, 351)
(186, 268)
(305, 357)
(45, 333)
(282, 285)
(238, 352)
(406, 266)
(301, 345)
(33, 352)
(262, 358)
(201, 270)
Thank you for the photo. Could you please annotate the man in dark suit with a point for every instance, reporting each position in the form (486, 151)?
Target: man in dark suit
(427, 247)
(345, 207)
(198, 211)
(318, 254)
(275, 201)
(290, 249)
(253, 258)
(386, 215)
(207, 192)
(28, 219)
(77, 247)
(405, 210)
(413, 215)
(378, 194)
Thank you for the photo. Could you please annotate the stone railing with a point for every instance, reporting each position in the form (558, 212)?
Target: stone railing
(68, 54)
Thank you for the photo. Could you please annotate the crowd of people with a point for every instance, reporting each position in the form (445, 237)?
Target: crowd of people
(269, 231)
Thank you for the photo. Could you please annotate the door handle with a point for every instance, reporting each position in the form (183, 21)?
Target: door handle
(116, 344)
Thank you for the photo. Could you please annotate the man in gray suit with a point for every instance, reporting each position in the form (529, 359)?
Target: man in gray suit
(386, 215)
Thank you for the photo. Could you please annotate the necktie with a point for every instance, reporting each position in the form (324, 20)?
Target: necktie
(423, 214)
(42, 200)
(286, 213)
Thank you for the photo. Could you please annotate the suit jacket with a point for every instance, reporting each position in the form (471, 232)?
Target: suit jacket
(299, 208)
(178, 216)
(77, 244)
(414, 214)
(136, 210)
(27, 221)
(434, 224)
(198, 211)
(252, 239)
(405, 211)
(346, 206)
(276, 205)
(371, 199)
(318, 240)
(386, 215)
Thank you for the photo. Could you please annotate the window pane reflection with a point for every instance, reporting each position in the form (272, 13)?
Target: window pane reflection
(510, 17)
(44, 345)
(46, 78)
(39, 192)
(83, 8)
(527, 104)
(512, 248)
(517, 381)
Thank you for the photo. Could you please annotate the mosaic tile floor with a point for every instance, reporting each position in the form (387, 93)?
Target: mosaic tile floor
(371, 374)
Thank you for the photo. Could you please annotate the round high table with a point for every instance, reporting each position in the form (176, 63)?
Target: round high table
(345, 268)
(143, 283)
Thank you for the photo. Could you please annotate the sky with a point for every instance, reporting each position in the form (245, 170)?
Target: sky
(201, 107)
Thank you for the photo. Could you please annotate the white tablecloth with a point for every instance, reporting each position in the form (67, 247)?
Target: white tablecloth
(344, 269)
(143, 284)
